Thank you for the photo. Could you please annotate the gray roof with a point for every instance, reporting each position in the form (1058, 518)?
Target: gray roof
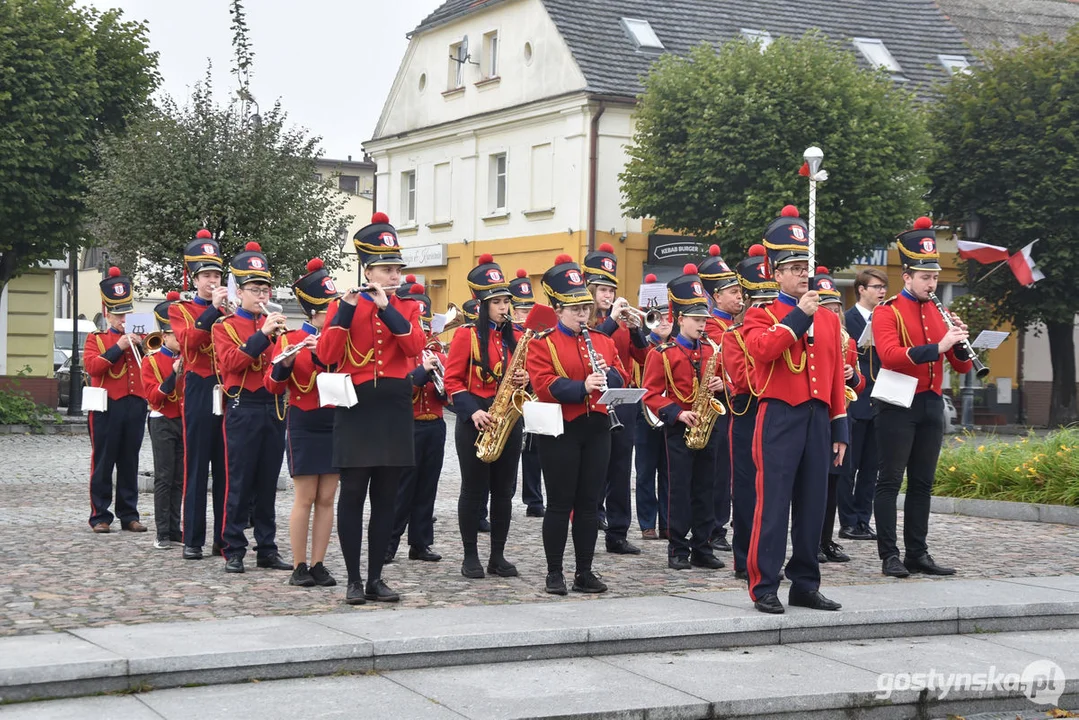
(915, 31)
(985, 23)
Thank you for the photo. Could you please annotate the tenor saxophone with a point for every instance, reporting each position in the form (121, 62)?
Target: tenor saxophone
(705, 404)
(507, 408)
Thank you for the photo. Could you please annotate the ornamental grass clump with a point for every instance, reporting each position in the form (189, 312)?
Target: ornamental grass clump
(1031, 469)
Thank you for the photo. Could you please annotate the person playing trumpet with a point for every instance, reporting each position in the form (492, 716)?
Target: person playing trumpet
(254, 424)
(115, 433)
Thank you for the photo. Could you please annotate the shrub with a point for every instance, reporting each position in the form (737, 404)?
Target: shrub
(17, 408)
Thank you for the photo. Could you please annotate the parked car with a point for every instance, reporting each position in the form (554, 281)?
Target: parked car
(951, 418)
(59, 357)
(63, 379)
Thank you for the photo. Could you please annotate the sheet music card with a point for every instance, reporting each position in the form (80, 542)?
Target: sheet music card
(989, 340)
(866, 338)
(652, 295)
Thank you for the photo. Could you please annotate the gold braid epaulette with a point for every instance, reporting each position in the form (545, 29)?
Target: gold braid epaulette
(795, 369)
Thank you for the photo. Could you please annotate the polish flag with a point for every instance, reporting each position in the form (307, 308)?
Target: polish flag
(981, 252)
(1022, 264)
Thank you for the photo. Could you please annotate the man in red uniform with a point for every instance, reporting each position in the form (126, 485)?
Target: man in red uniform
(911, 337)
(116, 434)
(801, 422)
(254, 424)
(162, 379)
(204, 445)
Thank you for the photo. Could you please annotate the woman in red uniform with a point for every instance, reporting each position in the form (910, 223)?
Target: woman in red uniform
(575, 463)
(479, 355)
(309, 430)
(371, 336)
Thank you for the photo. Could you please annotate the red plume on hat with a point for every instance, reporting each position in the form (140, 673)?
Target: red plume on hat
(485, 258)
(607, 248)
(203, 234)
(923, 223)
(757, 250)
(789, 211)
(821, 270)
(410, 278)
(416, 289)
(563, 258)
(522, 273)
(172, 296)
(650, 278)
(314, 264)
(713, 250)
(689, 269)
(114, 271)
(380, 218)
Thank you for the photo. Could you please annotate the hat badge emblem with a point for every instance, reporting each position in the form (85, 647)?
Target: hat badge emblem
(697, 289)
(256, 263)
(826, 285)
(388, 239)
(117, 288)
(328, 286)
(797, 232)
(928, 245)
(607, 264)
(574, 277)
(524, 288)
(494, 275)
(208, 249)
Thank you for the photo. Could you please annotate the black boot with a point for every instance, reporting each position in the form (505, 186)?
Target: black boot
(471, 567)
(498, 564)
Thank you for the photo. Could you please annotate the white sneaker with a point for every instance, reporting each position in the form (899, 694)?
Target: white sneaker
(162, 544)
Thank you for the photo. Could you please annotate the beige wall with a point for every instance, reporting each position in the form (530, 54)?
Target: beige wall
(28, 322)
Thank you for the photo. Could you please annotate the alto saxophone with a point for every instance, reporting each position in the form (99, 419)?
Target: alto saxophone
(705, 404)
(848, 392)
(507, 408)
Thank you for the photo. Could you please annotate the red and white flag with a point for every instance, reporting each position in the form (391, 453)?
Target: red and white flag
(1022, 264)
(981, 252)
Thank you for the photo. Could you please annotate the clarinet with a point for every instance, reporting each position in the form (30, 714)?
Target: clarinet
(593, 357)
(962, 348)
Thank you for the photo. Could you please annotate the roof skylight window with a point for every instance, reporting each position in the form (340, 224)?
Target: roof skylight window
(642, 34)
(874, 50)
(760, 36)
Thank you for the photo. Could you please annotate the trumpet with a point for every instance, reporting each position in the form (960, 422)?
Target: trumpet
(271, 307)
(136, 341)
(963, 350)
(153, 342)
(650, 319)
(438, 373)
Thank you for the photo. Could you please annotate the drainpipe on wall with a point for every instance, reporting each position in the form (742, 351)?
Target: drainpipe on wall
(593, 174)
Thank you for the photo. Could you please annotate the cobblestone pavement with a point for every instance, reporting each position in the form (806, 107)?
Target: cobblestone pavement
(57, 574)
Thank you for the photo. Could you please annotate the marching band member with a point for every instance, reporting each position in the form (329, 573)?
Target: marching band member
(572, 367)
(163, 381)
(309, 430)
(913, 338)
(649, 449)
(371, 337)
(415, 503)
(523, 300)
(756, 280)
(802, 410)
(115, 434)
(254, 427)
(204, 444)
(725, 300)
(832, 300)
(479, 356)
(600, 269)
(673, 375)
(470, 310)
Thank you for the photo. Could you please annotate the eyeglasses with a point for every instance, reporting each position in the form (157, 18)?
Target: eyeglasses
(257, 290)
(876, 287)
(795, 269)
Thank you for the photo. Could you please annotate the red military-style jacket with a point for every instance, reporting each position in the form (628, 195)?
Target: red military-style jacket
(906, 333)
(243, 351)
(788, 368)
(671, 377)
(558, 363)
(164, 389)
(628, 351)
(192, 321)
(427, 402)
(463, 371)
(857, 380)
(300, 379)
(368, 343)
(110, 367)
(737, 364)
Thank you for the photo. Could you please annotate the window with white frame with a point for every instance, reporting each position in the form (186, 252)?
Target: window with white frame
(497, 183)
(954, 64)
(408, 196)
(490, 55)
(458, 60)
(763, 37)
(642, 34)
(876, 52)
(349, 184)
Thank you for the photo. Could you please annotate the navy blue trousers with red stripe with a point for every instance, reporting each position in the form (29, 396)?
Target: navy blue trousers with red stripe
(691, 508)
(116, 436)
(721, 495)
(254, 450)
(743, 475)
(792, 450)
(204, 448)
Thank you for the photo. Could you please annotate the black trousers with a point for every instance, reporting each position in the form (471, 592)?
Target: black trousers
(167, 442)
(721, 495)
(909, 439)
(856, 489)
(355, 482)
(414, 507)
(616, 500)
(116, 436)
(204, 449)
(479, 478)
(829, 509)
(743, 475)
(531, 474)
(574, 467)
(692, 476)
(254, 451)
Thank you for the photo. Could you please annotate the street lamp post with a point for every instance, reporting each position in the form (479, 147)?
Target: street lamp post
(972, 228)
(74, 388)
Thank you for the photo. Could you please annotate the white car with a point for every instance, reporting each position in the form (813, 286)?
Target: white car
(951, 419)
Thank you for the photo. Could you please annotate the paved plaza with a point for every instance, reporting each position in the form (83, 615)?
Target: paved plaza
(58, 575)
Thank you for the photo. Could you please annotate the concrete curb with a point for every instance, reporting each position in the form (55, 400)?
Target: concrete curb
(133, 657)
(65, 428)
(1003, 510)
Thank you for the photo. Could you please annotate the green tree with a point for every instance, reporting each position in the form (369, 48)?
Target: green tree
(245, 176)
(68, 76)
(1008, 137)
(720, 137)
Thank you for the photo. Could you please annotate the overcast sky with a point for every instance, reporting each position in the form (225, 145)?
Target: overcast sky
(330, 62)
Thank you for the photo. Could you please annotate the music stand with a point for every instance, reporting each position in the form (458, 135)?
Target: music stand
(614, 397)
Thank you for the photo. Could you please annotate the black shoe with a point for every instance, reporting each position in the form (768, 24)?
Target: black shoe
(893, 568)
(812, 600)
(587, 582)
(556, 584)
(354, 594)
(864, 527)
(485, 525)
(273, 562)
(926, 564)
(234, 565)
(833, 552)
(471, 568)
(856, 533)
(501, 567)
(710, 562)
(535, 512)
(301, 576)
(821, 557)
(770, 604)
(388, 559)
(192, 553)
(677, 562)
(380, 591)
(603, 524)
(418, 552)
(741, 575)
(322, 576)
(719, 542)
(215, 550)
(622, 546)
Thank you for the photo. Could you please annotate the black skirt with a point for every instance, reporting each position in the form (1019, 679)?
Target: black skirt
(377, 430)
(309, 441)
